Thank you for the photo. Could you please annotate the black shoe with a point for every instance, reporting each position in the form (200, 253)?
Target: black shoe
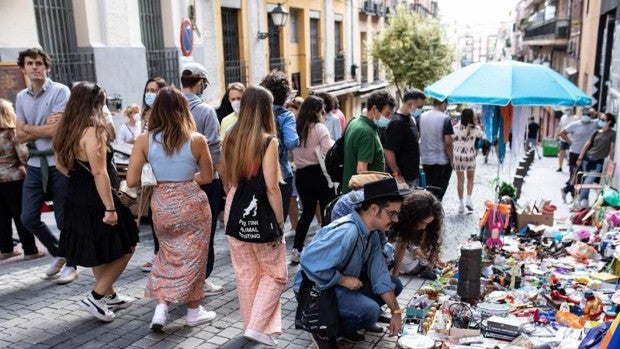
(323, 343)
(428, 275)
(384, 319)
(375, 328)
(559, 170)
(352, 337)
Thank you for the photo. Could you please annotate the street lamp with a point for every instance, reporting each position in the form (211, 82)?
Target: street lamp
(278, 17)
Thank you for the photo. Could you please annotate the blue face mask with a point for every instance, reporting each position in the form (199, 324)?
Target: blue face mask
(382, 122)
(416, 112)
(600, 123)
(585, 119)
(149, 98)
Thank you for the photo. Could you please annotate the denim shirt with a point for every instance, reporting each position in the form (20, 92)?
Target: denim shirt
(324, 259)
(289, 139)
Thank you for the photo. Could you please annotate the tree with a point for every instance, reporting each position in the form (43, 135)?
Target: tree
(412, 51)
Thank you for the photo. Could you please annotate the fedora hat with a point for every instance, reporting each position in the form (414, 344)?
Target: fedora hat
(382, 189)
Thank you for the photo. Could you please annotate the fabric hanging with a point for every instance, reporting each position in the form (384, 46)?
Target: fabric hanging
(519, 124)
(507, 113)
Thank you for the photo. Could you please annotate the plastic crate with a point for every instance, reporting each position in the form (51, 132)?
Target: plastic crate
(550, 147)
(416, 313)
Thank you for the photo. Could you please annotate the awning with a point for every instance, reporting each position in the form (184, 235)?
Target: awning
(367, 90)
(338, 89)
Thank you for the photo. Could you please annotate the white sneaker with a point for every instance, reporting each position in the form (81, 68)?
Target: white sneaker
(198, 316)
(295, 256)
(461, 207)
(289, 234)
(260, 338)
(159, 318)
(55, 266)
(118, 302)
(67, 275)
(469, 205)
(212, 289)
(97, 308)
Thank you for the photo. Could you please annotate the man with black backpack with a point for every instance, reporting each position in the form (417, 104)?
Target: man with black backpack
(194, 81)
(277, 83)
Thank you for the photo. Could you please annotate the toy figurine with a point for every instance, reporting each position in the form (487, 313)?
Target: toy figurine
(557, 296)
(496, 225)
(593, 308)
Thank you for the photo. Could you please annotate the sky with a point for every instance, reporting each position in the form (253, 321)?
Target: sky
(476, 12)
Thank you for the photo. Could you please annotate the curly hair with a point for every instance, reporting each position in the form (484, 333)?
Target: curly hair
(416, 207)
(380, 99)
(277, 83)
(34, 53)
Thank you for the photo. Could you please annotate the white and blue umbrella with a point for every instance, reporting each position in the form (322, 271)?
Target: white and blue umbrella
(504, 82)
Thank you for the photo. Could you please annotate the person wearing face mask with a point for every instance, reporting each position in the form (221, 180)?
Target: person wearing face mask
(362, 147)
(194, 81)
(130, 130)
(402, 151)
(436, 146)
(234, 92)
(600, 145)
(576, 134)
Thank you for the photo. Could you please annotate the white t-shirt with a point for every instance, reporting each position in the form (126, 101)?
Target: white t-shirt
(434, 125)
(128, 133)
(579, 133)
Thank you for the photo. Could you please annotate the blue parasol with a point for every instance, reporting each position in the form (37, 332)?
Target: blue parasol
(500, 83)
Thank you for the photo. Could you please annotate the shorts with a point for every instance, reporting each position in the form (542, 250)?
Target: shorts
(531, 142)
(563, 145)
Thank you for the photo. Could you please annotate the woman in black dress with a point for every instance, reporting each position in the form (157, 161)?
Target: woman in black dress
(99, 232)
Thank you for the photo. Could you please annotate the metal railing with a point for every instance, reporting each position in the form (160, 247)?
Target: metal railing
(164, 63)
(364, 72)
(557, 28)
(375, 71)
(316, 71)
(339, 69)
(278, 63)
(68, 68)
(236, 71)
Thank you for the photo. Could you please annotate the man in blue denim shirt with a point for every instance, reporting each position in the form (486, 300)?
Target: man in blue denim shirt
(323, 262)
(277, 83)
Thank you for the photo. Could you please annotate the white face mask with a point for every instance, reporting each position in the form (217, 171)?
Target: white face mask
(137, 117)
(236, 106)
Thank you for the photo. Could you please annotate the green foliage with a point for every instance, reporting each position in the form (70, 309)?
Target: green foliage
(507, 189)
(411, 50)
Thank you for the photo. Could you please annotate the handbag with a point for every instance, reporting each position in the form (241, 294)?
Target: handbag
(317, 310)
(251, 218)
(147, 178)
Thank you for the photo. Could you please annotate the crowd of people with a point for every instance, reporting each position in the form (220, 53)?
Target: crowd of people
(377, 220)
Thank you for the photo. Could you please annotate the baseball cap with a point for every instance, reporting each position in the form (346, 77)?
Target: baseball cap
(194, 70)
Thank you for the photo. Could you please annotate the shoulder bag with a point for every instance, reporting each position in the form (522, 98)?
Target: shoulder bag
(147, 178)
(251, 218)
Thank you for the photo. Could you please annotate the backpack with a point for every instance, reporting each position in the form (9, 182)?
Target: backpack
(334, 161)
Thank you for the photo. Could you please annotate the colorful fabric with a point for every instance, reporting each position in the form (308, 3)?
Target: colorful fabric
(612, 337)
(13, 156)
(182, 223)
(464, 147)
(261, 275)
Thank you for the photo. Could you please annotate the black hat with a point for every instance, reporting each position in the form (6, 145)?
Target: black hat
(381, 190)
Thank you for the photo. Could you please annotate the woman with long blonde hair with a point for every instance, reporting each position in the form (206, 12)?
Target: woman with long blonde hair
(181, 212)
(98, 231)
(260, 268)
(13, 157)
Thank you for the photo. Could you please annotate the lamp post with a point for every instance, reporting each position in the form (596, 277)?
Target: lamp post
(278, 17)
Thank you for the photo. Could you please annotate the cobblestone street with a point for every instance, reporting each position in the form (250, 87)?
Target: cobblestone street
(37, 313)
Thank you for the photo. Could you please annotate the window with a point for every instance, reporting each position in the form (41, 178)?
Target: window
(338, 36)
(293, 29)
(316, 61)
(234, 67)
(160, 61)
(56, 30)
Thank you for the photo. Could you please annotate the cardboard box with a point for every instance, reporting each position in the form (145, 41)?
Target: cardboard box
(524, 219)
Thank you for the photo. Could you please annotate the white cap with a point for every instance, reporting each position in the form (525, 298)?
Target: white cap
(194, 70)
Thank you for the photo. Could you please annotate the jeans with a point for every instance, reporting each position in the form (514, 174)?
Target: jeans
(312, 189)
(361, 309)
(10, 210)
(33, 198)
(438, 176)
(214, 191)
(591, 166)
(286, 190)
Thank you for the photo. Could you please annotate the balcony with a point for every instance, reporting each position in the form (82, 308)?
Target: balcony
(316, 71)
(364, 72)
(278, 63)
(367, 8)
(339, 69)
(553, 29)
(236, 71)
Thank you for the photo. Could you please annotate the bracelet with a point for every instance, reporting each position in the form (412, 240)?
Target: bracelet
(397, 311)
(112, 210)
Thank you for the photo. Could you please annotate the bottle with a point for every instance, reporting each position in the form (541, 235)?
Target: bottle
(422, 178)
